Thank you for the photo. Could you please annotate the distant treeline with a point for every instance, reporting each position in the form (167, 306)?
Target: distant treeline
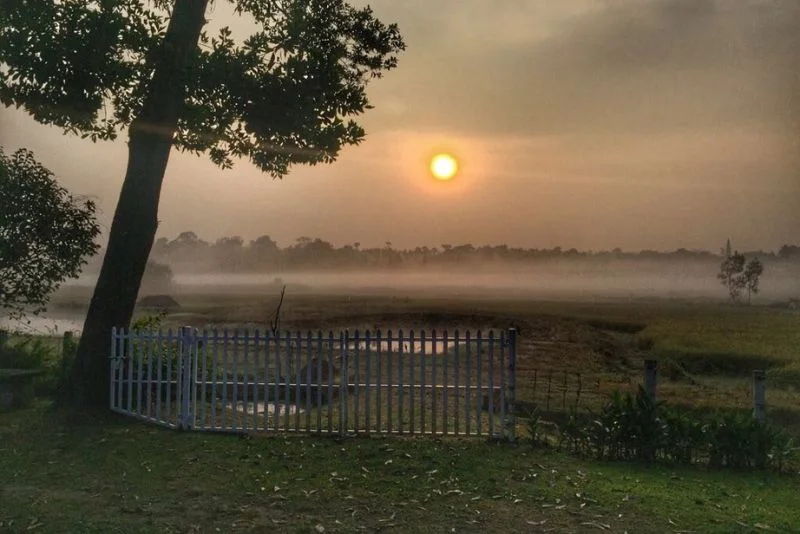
(190, 253)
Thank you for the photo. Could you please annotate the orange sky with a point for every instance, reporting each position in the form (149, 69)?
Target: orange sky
(578, 123)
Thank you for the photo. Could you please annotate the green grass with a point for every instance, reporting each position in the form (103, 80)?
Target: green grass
(70, 473)
(772, 335)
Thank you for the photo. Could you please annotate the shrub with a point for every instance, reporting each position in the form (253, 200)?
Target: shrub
(28, 353)
(151, 347)
(536, 432)
(645, 343)
(634, 427)
(155, 351)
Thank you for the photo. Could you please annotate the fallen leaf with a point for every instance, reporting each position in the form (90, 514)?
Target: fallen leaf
(596, 525)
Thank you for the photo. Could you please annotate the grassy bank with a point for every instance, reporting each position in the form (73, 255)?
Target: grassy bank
(67, 473)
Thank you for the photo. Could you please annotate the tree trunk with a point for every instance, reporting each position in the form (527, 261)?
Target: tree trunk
(135, 219)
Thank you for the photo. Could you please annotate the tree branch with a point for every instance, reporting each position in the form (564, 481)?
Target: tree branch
(275, 326)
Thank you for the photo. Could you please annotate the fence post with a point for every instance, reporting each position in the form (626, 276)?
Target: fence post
(511, 410)
(66, 345)
(185, 416)
(3, 337)
(650, 378)
(759, 396)
(344, 340)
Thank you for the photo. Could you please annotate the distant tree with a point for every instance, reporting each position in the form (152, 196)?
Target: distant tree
(228, 253)
(283, 95)
(789, 252)
(730, 274)
(46, 234)
(161, 247)
(751, 276)
(158, 278)
(737, 274)
(263, 253)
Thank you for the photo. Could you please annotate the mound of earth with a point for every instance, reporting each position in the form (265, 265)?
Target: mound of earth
(164, 302)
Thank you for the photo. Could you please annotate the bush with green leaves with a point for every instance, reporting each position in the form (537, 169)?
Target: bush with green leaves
(46, 234)
(156, 350)
(635, 427)
(27, 353)
(153, 348)
(536, 433)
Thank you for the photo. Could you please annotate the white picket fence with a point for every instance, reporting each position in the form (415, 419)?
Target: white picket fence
(350, 383)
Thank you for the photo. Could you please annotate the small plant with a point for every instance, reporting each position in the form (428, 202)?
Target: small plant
(573, 436)
(628, 427)
(683, 435)
(29, 353)
(59, 378)
(536, 432)
(152, 350)
(156, 354)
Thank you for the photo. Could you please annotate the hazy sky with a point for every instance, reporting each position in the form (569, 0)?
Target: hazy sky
(577, 123)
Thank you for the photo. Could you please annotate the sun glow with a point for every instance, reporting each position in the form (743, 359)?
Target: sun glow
(444, 166)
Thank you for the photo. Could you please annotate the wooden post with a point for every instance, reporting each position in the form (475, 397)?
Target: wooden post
(512, 385)
(185, 417)
(759, 396)
(650, 378)
(66, 343)
(66, 346)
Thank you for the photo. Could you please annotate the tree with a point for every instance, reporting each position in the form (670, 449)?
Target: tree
(46, 234)
(279, 97)
(789, 252)
(751, 277)
(737, 274)
(157, 278)
(730, 274)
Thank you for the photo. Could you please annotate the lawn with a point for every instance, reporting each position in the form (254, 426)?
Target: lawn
(66, 472)
(63, 472)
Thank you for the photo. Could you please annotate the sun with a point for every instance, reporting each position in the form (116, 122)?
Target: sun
(444, 166)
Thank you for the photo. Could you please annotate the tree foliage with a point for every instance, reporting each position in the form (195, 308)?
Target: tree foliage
(46, 234)
(278, 97)
(158, 277)
(752, 276)
(738, 275)
(284, 95)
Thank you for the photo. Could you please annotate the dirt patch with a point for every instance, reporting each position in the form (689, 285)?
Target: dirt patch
(162, 302)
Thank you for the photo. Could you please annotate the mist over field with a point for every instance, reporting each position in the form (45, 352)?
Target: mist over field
(554, 279)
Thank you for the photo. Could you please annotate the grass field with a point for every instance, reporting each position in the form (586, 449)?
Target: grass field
(62, 472)
(79, 473)
(706, 350)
